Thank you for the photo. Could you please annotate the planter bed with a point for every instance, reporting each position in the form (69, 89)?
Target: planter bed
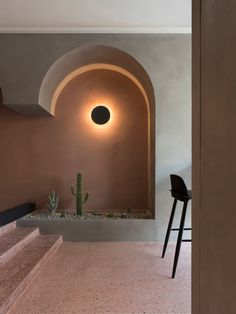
(68, 215)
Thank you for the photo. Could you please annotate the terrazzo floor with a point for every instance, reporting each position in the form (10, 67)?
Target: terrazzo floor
(110, 277)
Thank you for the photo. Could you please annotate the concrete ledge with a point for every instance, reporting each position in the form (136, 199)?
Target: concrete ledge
(98, 230)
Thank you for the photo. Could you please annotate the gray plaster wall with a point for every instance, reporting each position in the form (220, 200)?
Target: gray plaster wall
(25, 59)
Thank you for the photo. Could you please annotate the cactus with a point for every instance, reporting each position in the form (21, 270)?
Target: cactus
(53, 200)
(80, 199)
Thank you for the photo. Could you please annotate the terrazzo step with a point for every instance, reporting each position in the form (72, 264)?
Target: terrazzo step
(19, 272)
(15, 240)
(7, 228)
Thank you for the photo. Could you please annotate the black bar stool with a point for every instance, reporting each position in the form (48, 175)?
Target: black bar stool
(180, 193)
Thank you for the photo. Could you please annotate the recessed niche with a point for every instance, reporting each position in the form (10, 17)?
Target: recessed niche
(100, 115)
(114, 159)
(85, 63)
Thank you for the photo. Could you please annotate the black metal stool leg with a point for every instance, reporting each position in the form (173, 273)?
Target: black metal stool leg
(179, 240)
(169, 228)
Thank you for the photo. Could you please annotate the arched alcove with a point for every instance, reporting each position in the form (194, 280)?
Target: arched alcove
(85, 59)
(104, 58)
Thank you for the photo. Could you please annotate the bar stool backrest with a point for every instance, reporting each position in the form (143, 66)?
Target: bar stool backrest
(178, 188)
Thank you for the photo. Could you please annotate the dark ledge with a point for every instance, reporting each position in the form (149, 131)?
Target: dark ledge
(15, 213)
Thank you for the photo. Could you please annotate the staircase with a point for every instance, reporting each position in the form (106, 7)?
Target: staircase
(23, 251)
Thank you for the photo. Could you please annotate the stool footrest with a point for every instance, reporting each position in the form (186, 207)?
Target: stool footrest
(177, 229)
(186, 240)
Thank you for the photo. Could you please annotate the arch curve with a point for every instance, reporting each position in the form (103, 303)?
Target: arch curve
(95, 57)
(88, 58)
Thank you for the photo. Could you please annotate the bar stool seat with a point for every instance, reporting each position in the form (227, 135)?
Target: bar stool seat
(180, 193)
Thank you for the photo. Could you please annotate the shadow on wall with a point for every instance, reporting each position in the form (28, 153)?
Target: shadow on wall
(164, 197)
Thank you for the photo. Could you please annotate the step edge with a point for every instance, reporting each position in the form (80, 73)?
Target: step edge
(7, 228)
(15, 249)
(30, 277)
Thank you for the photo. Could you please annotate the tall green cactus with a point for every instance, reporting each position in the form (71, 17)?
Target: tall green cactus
(80, 199)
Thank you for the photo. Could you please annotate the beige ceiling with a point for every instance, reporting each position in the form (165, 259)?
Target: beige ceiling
(95, 16)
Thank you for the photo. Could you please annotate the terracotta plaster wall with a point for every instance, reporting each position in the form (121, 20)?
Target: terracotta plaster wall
(42, 153)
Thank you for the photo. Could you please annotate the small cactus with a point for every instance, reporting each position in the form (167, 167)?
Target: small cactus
(53, 201)
(80, 199)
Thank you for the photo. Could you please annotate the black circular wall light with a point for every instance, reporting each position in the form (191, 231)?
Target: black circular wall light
(100, 115)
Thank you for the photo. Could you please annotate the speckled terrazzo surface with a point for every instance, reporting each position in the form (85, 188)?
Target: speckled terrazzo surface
(17, 272)
(13, 237)
(111, 277)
